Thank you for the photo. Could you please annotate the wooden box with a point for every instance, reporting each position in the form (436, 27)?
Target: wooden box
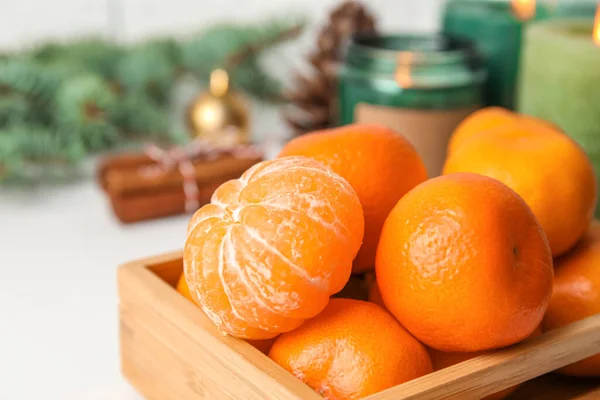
(171, 351)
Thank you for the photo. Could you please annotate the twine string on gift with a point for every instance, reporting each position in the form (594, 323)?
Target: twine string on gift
(181, 158)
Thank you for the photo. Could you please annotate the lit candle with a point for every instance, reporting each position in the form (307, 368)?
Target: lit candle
(496, 26)
(596, 29)
(560, 79)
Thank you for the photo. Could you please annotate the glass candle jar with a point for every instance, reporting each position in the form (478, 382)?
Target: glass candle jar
(496, 26)
(419, 85)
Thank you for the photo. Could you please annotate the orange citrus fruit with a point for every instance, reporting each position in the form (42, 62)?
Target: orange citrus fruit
(546, 168)
(351, 350)
(375, 295)
(263, 345)
(356, 289)
(380, 164)
(490, 119)
(272, 247)
(577, 293)
(479, 121)
(464, 265)
(183, 288)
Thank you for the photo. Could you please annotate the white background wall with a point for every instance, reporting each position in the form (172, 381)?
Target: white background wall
(25, 21)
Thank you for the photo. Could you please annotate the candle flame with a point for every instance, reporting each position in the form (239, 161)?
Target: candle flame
(403, 74)
(596, 29)
(523, 9)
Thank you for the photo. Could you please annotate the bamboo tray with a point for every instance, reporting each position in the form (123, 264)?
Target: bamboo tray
(171, 351)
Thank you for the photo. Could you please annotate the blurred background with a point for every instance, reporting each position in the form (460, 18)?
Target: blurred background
(29, 21)
(118, 118)
(60, 242)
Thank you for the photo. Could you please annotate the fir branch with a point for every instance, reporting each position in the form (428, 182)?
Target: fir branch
(237, 48)
(168, 47)
(14, 109)
(135, 113)
(27, 78)
(24, 146)
(147, 69)
(63, 101)
(250, 77)
(31, 154)
(265, 40)
(93, 54)
(82, 106)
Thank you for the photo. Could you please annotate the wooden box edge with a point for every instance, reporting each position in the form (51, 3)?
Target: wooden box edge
(237, 369)
(472, 379)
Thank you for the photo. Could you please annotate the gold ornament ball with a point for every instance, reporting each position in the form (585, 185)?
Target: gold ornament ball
(215, 112)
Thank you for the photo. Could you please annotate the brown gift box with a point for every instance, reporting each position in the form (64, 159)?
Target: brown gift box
(136, 195)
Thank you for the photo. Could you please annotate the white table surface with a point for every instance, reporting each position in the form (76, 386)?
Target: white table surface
(59, 250)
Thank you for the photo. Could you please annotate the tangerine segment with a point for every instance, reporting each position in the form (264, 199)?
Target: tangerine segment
(264, 345)
(464, 265)
(351, 350)
(272, 247)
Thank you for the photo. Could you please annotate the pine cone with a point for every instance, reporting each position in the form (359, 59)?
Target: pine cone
(314, 98)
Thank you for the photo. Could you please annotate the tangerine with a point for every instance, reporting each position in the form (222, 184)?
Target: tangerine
(263, 345)
(351, 350)
(479, 121)
(183, 289)
(272, 247)
(379, 163)
(375, 295)
(577, 294)
(490, 119)
(464, 265)
(548, 169)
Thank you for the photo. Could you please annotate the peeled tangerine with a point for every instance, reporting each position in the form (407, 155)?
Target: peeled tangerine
(272, 246)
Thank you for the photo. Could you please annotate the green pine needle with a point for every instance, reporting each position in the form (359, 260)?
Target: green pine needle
(27, 78)
(149, 70)
(82, 107)
(23, 147)
(137, 115)
(214, 47)
(168, 47)
(61, 102)
(250, 77)
(14, 109)
(93, 54)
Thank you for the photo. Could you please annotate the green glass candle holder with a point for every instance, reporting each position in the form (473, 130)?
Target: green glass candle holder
(421, 86)
(498, 32)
